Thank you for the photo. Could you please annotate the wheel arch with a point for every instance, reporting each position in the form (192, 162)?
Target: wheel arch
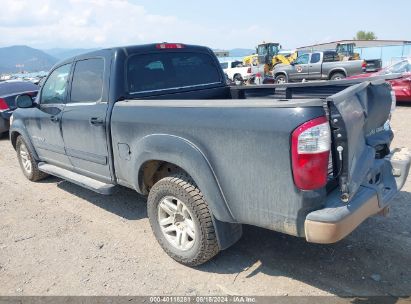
(281, 73)
(237, 74)
(337, 70)
(164, 152)
(17, 131)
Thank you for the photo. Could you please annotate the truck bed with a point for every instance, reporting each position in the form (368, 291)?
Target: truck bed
(302, 90)
(245, 140)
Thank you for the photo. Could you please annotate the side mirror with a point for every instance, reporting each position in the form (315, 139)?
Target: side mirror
(24, 101)
(292, 63)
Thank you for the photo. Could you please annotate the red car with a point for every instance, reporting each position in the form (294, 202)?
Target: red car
(401, 85)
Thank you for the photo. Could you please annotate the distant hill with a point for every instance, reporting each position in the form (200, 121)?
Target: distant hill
(33, 60)
(241, 52)
(30, 59)
(61, 54)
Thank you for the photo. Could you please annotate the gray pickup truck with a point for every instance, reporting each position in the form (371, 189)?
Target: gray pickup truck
(318, 66)
(160, 119)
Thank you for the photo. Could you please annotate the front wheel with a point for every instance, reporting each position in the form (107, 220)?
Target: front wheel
(181, 220)
(27, 163)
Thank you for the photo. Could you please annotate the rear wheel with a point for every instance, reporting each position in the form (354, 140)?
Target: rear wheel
(238, 79)
(280, 79)
(181, 220)
(27, 162)
(337, 76)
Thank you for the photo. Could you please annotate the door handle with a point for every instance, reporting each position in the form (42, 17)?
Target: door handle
(96, 121)
(54, 118)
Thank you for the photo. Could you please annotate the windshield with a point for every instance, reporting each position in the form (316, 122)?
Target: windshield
(268, 49)
(274, 49)
(262, 49)
(400, 67)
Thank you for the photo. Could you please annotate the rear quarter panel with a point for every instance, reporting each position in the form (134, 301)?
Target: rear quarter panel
(247, 147)
(350, 68)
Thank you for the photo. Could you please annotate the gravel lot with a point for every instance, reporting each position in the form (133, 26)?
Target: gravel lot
(59, 239)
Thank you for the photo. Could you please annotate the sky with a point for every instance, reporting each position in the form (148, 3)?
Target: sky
(218, 24)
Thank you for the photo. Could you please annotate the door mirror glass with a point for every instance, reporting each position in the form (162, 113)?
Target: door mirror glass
(24, 101)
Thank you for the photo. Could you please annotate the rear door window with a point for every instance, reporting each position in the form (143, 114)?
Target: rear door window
(172, 70)
(87, 85)
(315, 58)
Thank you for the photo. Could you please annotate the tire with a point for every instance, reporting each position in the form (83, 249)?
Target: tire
(337, 76)
(27, 163)
(279, 79)
(238, 78)
(187, 231)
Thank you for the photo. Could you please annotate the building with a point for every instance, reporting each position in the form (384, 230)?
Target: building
(389, 51)
(221, 53)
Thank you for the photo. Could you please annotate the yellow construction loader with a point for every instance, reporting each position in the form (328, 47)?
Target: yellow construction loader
(267, 54)
(345, 51)
(284, 58)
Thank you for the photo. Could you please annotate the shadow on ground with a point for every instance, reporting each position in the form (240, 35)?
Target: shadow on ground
(125, 202)
(374, 260)
(4, 136)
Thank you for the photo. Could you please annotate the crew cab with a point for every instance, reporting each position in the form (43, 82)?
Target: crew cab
(317, 66)
(236, 71)
(160, 119)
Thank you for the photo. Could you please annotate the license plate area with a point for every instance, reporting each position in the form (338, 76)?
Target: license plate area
(388, 175)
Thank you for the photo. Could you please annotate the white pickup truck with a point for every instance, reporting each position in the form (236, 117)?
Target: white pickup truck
(236, 71)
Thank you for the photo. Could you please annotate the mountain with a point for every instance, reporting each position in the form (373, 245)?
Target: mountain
(241, 52)
(33, 60)
(26, 58)
(61, 54)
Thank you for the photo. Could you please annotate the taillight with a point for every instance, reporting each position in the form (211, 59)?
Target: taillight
(3, 105)
(249, 70)
(310, 149)
(170, 46)
(364, 66)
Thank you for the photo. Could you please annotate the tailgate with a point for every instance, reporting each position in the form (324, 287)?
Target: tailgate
(361, 140)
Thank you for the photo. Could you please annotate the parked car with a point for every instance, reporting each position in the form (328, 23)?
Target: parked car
(160, 119)
(9, 89)
(402, 85)
(317, 66)
(236, 71)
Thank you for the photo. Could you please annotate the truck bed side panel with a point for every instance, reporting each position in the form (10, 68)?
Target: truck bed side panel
(244, 146)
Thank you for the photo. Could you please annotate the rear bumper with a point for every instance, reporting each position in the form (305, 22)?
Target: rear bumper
(337, 219)
(402, 92)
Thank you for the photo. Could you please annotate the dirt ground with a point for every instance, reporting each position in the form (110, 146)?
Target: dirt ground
(57, 238)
